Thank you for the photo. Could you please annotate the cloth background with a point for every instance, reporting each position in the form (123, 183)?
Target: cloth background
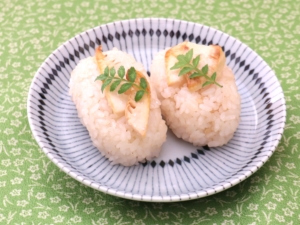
(34, 191)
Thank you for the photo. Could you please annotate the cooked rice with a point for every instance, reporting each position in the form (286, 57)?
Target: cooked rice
(111, 135)
(209, 116)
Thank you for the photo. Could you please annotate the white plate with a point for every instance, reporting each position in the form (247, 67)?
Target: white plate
(182, 171)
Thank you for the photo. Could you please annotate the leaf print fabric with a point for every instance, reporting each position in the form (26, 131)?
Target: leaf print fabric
(35, 191)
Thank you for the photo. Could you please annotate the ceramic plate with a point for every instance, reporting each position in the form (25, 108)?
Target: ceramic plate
(182, 171)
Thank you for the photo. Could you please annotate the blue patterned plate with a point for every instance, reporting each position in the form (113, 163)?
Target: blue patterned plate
(182, 171)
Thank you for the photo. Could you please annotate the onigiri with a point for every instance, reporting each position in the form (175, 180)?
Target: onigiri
(200, 114)
(124, 130)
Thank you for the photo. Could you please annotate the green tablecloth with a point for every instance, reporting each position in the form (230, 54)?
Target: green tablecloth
(34, 191)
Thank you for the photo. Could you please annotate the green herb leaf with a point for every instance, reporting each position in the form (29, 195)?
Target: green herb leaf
(194, 75)
(189, 55)
(114, 85)
(204, 69)
(106, 71)
(132, 74)
(112, 72)
(139, 95)
(109, 78)
(206, 83)
(143, 83)
(105, 83)
(178, 65)
(186, 66)
(214, 76)
(182, 59)
(125, 87)
(101, 77)
(196, 61)
(185, 70)
(121, 72)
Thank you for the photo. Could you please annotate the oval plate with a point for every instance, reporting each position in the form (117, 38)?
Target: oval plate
(182, 171)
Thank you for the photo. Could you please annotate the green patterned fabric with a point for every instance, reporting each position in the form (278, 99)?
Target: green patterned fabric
(34, 191)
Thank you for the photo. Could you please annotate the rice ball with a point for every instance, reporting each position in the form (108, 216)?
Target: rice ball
(111, 133)
(209, 116)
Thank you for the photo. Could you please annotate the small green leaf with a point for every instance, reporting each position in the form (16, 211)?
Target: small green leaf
(139, 95)
(196, 61)
(114, 85)
(204, 69)
(186, 66)
(189, 55)
(121, 72)
(182, 58)
(213, 77)
(132, 74)
(109, 78)
(206, 83)
(178, 65)
(185, 70)
(124, 87)
(112, 72)
(143, 83)
(106, 82)
(194, 75)
(106, 71)
(101, 77)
